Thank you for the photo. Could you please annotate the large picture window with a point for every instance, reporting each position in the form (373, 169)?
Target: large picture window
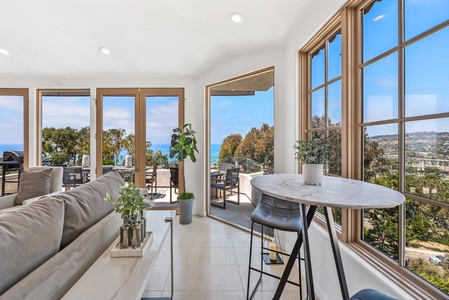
(393, 118)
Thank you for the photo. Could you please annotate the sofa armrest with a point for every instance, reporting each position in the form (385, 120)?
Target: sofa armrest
(7, 201)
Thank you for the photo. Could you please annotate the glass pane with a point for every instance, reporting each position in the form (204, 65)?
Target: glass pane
(161, 118)
(380, 155)
(421, 15)
(380, 28)
(335, 156)
(334, 57)
(318, 68)
(426, 158)
(65, 129)
(118, 130)
(11, 134)
(334, 104)
(426, 65)
(427, 243)
(380, 230)
(11, 123)
(318, 119)
(380, 90)
(380, 162)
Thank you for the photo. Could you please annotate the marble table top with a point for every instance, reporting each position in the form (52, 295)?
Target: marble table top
(333, 192)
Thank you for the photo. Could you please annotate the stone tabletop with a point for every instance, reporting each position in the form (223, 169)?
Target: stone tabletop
(333, 192)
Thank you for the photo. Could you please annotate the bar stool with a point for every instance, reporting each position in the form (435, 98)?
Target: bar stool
(275, 214)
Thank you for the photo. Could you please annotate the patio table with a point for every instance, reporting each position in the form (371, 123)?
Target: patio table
(334, 192)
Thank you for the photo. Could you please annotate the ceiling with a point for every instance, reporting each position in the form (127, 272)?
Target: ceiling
(59, 39)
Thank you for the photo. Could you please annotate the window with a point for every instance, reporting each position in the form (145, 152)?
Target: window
(65, 126)
(393, 125)
(324, 106)
(406, 140)
(13, 129)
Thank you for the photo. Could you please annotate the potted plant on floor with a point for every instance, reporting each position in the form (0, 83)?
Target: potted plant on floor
(313, 154)
(183, 146)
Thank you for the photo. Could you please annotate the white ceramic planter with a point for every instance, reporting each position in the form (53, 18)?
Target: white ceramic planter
(312, 174)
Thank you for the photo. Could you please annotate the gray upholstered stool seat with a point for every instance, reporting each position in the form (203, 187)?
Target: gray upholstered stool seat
(370, 294)
(278, 214)
(275, 214)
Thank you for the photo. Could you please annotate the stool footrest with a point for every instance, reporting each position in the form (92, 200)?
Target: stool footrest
(268, 261)
(274, 276)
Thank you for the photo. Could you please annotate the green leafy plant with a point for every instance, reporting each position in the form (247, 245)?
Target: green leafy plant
(129, 203)
(315, 151)
(183, 146)
(185, 196)
(183, 143)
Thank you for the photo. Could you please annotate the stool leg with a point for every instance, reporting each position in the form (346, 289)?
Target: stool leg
(249, 263)
(299, 271)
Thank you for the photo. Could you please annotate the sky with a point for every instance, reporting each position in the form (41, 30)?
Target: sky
(238, 114)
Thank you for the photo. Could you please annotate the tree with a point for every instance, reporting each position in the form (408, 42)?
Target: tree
(115, 141)
(257, 145)
(60, 145)
(229, 145)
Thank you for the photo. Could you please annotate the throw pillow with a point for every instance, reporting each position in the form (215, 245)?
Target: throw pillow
(29, 236)
(33, 183)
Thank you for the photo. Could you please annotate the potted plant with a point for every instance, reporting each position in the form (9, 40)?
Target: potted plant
(313, 154)
(183, 146)
(130, 205)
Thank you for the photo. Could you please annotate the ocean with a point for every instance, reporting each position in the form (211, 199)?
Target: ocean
(165, 149)
(214, 151)
(10, 147)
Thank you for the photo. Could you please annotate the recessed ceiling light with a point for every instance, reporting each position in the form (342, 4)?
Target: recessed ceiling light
(236, 18)
(4, 51)
(104, 50)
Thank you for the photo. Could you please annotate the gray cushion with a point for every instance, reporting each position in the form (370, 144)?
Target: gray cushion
(85, 205)
(277, 213)
(33, 183)
(29, 236)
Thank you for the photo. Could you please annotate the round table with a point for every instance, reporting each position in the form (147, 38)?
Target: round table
(333, 192)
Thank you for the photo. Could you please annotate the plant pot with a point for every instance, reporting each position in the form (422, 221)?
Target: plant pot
(185, 211)
(312, 174)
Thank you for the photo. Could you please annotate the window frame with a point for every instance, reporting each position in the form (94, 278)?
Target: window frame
(139, 95)
(24, 92)
(349, 20)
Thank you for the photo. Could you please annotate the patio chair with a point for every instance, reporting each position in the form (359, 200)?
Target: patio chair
(223, 167)
(230, 182)
(72, 177)
(174, 176)
(151, 179)
(107, 169)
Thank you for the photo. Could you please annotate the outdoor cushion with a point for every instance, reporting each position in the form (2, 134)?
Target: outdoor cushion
(29, 236)
(33, 183)
(85, 205)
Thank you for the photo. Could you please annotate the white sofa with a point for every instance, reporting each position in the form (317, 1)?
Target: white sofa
(50, 243)
(8, 201)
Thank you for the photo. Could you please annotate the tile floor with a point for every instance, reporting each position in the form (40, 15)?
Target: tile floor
(211, 262)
